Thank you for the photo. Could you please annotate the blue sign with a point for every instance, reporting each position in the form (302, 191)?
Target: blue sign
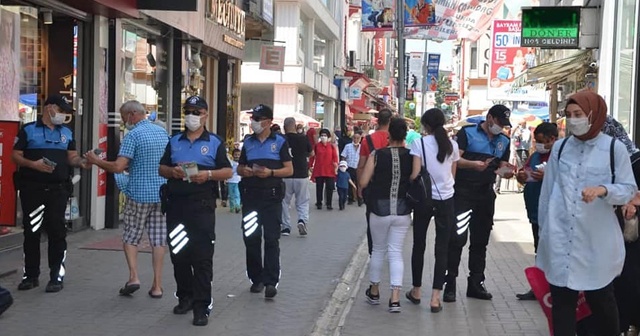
(433, 69)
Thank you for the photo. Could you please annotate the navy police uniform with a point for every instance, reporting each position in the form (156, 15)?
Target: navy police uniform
(474, 200)
(262, 207)
(44, 196)
(191, 220)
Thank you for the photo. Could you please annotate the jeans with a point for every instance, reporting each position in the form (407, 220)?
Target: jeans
(474, 211)
(324, 185)
(603, 306)
(342, 196)
(298, 187)
(234, 196)
(388, 235)
(444, 220)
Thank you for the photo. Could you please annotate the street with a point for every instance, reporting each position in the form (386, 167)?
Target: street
(311, 270)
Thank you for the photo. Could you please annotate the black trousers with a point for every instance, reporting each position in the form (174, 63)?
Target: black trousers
(191, 228)
(474, 211)
(444, 220)
(261, 217)
(224, 190)
(627, 287)
(354, 177)
(43, 208)
(324, 185)
(536, 236)
(604, 318)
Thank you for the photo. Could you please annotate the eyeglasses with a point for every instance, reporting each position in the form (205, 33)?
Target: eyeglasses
(194, 112)
(51, 141)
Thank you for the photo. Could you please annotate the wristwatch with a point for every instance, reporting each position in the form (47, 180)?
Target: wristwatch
(209, 174)
(272, 173)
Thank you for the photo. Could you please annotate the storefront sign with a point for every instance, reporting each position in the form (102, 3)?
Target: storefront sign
(380, 53)
(272, 58)
(551, 27)
(433, 72)
(508, 61)
(228, 15)
(355, 93)
(232, 41)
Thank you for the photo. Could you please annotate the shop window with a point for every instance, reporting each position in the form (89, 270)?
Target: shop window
(624, 77)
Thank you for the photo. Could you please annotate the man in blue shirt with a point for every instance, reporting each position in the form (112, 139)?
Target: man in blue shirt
(190, 201)
(264, 161)
(140, 153)
(484, 151)
(45, 152)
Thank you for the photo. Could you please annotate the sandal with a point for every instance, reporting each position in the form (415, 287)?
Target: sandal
(411, 298)
(155, 296)
(129, 289)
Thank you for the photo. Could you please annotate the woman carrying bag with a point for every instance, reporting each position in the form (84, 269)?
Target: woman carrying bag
(386, 176)
(440, 155)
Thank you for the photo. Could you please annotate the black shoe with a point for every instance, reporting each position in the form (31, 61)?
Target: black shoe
(394, 307)
(319, 206)
(256, 287)
(360, 202)
(477, 290)
(329, 207)
(302, 228)
(285, 232)
(372, 299)
(54, 286)
(270, 292)
(341, 207)
(349, 202)
(28, 283)
(449, 294)
(200, 318)
(183, 307)
(528, 296)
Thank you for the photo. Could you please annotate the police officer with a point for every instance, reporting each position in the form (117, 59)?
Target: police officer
(45, 152)
(264, 161)
(192, 163)
(484, 150)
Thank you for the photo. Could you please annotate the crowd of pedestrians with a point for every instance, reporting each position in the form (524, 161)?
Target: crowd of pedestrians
(572, 187)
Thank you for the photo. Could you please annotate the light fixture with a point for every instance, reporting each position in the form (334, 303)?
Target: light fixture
(151, 60)
(47, 16)
(196, 60)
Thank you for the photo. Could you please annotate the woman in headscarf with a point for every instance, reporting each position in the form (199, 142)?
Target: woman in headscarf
(581, 247)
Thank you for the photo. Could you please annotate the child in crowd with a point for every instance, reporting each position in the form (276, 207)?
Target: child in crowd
(531, 177)
(232, 183)
(344, 180)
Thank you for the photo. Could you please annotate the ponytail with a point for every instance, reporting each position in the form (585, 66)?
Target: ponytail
(433, 120)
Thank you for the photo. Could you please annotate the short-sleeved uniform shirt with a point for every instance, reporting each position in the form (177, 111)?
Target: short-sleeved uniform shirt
(476, 145)
(271, 153)
(207, 151)
(144, 146)
(300, 150)
(36, 140)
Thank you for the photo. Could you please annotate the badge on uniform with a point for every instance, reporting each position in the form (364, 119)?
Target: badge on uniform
(500, 146)
(204, 150)
(274, 147)
(63, 138)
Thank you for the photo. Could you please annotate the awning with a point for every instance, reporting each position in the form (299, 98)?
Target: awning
(555, 72)
(354, 108)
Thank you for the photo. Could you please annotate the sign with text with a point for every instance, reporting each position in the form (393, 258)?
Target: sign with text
(433, 69)
(380, 53)
(508, 61)
(272, 58)
(228, 15)
(551, 27)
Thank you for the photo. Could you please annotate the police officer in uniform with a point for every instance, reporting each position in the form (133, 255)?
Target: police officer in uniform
(190, 202)
(484, 151)
(264, 161)
(45, 152)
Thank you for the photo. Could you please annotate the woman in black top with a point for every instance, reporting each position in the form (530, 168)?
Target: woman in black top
(386, 174)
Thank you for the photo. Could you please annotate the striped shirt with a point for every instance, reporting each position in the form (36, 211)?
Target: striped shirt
(144, 146)
(351, 154)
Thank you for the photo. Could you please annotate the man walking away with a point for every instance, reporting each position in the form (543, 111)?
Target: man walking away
(351, 154)
(140, 151)
(298, 184)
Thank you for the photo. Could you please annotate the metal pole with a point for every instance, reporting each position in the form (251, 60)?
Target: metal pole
(423, 81)
(402, 88)
(553, 104)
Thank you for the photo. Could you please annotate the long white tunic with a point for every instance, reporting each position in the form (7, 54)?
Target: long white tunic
(581, 245)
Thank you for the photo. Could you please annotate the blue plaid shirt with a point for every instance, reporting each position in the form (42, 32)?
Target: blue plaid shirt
(144, 146)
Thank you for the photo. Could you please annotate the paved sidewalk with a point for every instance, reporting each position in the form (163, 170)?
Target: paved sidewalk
(509, 252)
(90, 305)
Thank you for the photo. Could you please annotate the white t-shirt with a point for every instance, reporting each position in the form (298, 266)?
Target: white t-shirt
(235, 178)
(442, 180)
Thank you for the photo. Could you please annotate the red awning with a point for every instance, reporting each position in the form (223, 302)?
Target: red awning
(358, 108)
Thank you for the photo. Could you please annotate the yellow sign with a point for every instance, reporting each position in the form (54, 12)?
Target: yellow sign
(228, 15)
(236, 43)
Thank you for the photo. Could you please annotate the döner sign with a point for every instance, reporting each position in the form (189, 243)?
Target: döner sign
(228, 15)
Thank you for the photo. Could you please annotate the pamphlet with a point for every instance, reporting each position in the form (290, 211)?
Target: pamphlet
(190, 169)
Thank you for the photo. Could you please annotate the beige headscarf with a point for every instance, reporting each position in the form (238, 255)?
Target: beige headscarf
(591, 103)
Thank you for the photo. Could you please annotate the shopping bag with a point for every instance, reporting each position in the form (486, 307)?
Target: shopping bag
(542, 290)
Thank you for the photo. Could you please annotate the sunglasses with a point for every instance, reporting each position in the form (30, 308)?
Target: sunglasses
(194, 112)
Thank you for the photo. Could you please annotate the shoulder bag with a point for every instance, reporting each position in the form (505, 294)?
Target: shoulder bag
(419, 192)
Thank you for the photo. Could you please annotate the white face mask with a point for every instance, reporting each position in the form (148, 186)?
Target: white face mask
(256, 127)
(343, 169)
(578, 126)
(324, 138)
(192, 122)
(58, 118)
(495, 129)
(541, 149)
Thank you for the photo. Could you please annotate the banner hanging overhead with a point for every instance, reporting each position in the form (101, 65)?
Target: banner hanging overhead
(415, 71)
(508, 61)
(433, 70)
(419, 13)
(380, 53)
(458, 19)
(378, 15)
